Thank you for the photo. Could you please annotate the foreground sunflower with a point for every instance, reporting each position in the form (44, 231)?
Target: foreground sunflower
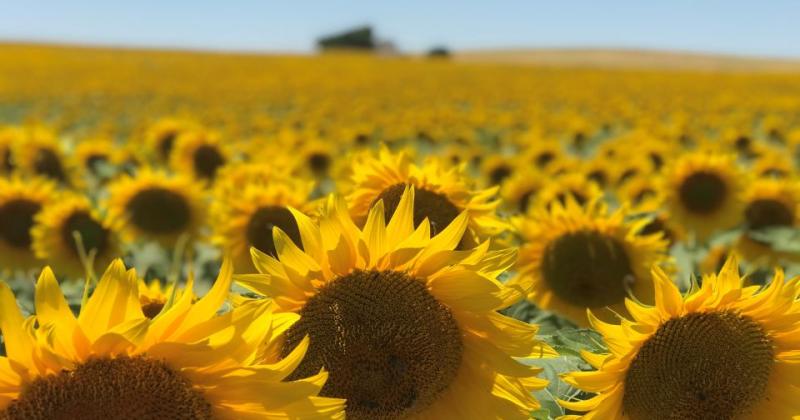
(583, 257)
(441, 194)
(54, 236)
(703, 192)
(113, 362)
(722, 351)
(405, 325)
(20, 202)
(157, 206)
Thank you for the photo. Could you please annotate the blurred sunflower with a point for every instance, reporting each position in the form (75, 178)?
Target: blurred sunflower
(599, 171)
(715, 258)
(405, 325)
(442, 192)
(54, 240)
(520, 191)
(94, 154)
(249, 219)
(9, 137)
(582, 257)
(20, 202)
(542, 153)
(722, 351)
(773, 164)
(768, 203)
(572, 185)
(199, 153)
(113, 362)
(155, 205)
(160, 137)
(496, 169)
(40, 155)
(703, 192)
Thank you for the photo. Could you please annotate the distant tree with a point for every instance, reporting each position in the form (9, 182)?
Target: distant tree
(439, 52)
(357, 38)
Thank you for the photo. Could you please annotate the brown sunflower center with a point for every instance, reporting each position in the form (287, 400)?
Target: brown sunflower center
(588, 269)
(152, 308)
(656, 225)
(259, 228)
(93, 234)
(47, 163)
(104, 388)
(579, 197)
(166, 142)
(703, 192)
(598, 176)
(319, 162)
(544, 159)
(207, 159)
(499, 174)
(768, 213)
(525, 200)
(158, 210)
(8, 161)
(712, 365)
(389, 346)
(16, 220)
(434, 206)
(96, 161)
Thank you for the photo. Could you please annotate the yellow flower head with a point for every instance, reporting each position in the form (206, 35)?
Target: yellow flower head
(723, 350)
(112, 361)
(405, 325)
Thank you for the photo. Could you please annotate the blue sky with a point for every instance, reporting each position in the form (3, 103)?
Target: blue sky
(769, 28)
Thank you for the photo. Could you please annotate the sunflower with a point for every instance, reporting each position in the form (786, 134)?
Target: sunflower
(572, 185)
(721, 351)
(199, 153)
(768, 203)
(156, 206)
(774, 164)
(153, 296)
(703, 192)
(542, 153)
(442, 192)
(113, 362)
(54, 240)
(161, 136)
(581, 257)
(496, 169)
(405, 326)
(95, 154)
(520, 191)
(40, 155)
(20, 201)
(247, 220)
(9, 136)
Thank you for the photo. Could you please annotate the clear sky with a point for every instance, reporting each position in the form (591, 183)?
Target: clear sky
(764, 28)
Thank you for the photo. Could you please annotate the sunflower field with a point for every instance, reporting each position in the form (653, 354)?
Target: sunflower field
(203, 235)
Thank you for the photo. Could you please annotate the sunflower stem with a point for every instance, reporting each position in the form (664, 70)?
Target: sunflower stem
(174, 271)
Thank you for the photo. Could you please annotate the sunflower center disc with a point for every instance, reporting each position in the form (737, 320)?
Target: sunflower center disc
(768, 213)
(207, 159)
(152, 309)
(103, 388)
(389, 346)
(166, 143)
(259, 228)
(159, 211)
(427, 204)
(712, 365)
(93, 234)
(16, 220)
(499, 174)
(703, 192)
(587, 269)
(658, 224)
(48, 164)
(319, 163)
